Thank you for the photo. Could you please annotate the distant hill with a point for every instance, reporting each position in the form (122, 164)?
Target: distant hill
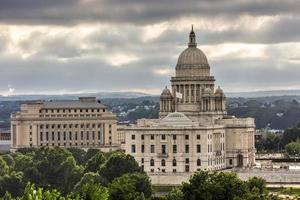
(129, 95)
(264, 93)
(99, 95)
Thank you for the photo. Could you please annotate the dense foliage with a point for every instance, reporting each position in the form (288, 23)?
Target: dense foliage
(274, 142)
(56, 173)
(205, 185)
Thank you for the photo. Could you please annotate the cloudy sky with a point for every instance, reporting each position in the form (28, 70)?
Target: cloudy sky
(66, 46)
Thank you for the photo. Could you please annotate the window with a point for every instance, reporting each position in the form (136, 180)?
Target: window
(198, 137)
(163, 162)
(81, 135)
(142, 161)
(151, 162)
(47, 136)
(152, 170)
(174, 148)
(142, 148)
(163, 137)
(58, 135)
(187, 148)
(186, 137)
(174, 170)
(187, 168)
(163, 170)
(152, 150)
(174, 137)
(52, 135)
(133, 137)
(64, 135)
(174, 163)
(41, 136)
(198, 162)
(142, 137)
(230, 161)
(163, 149)
(187, 161)
(133, 148)
(198, 148)
(152, 137)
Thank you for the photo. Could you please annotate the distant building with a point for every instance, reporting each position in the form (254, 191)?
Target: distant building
(84, 123)
(194, 131)
(4, 139)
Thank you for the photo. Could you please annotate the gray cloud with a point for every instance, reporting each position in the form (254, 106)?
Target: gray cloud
(134, 12)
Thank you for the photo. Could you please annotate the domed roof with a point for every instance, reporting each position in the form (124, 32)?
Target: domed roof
(219, 91)
(192, 61)
(192, 56)
(176, 119)
(166, 93)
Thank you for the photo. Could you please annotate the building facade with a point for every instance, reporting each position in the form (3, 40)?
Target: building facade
(4, 139)
(193, 131)
(84, 123)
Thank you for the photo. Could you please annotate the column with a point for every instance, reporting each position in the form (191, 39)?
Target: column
(184, 94)
(195, 93)
(190, 93)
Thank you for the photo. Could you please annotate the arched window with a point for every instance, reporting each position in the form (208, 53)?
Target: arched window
(163, 162)
(151, 162)
(174, 162)
(198, 162)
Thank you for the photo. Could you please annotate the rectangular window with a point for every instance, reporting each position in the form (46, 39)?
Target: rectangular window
(41, 136)
(87, 135)
(142, 137)
(133, 148)
(186, 137)
(133, 137)
(152, 148)
(142, 148)
(198, 148)
(174, 137)
(187, 148)
(174, 148)
(187, 161)
(81, 135)
(198, 137)
(163, 149)
(187, 168)
(52, 135)
(64, 135)
(163, 137)
(152, 137)
(70, 135)
(58, 135)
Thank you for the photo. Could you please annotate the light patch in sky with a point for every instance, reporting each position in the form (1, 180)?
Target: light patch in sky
(120, 59)
(154, 31)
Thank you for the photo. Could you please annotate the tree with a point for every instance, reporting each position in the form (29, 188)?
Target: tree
(117, 165)
(91, 191)
(293, 148)
(3, 167)
(291, 134)
(12, 183)
(79, 155)
(94, 164)
(91, 153)
(257, 183)
(174, 194)
(33, 193)
(91, 178)
(135, 185)
(9, 160)
(205, 186)
(122, 188)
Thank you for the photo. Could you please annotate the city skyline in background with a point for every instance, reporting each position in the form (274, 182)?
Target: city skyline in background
(59, 47)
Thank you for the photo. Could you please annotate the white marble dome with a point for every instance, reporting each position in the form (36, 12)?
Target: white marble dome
(192, 56)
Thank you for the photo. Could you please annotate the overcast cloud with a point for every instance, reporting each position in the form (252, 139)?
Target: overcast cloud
(53, 46)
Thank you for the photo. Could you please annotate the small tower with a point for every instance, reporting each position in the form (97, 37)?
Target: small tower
(166, 102)
(192, 42)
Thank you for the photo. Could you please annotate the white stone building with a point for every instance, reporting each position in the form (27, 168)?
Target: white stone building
(84, 123)
(193, 132)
